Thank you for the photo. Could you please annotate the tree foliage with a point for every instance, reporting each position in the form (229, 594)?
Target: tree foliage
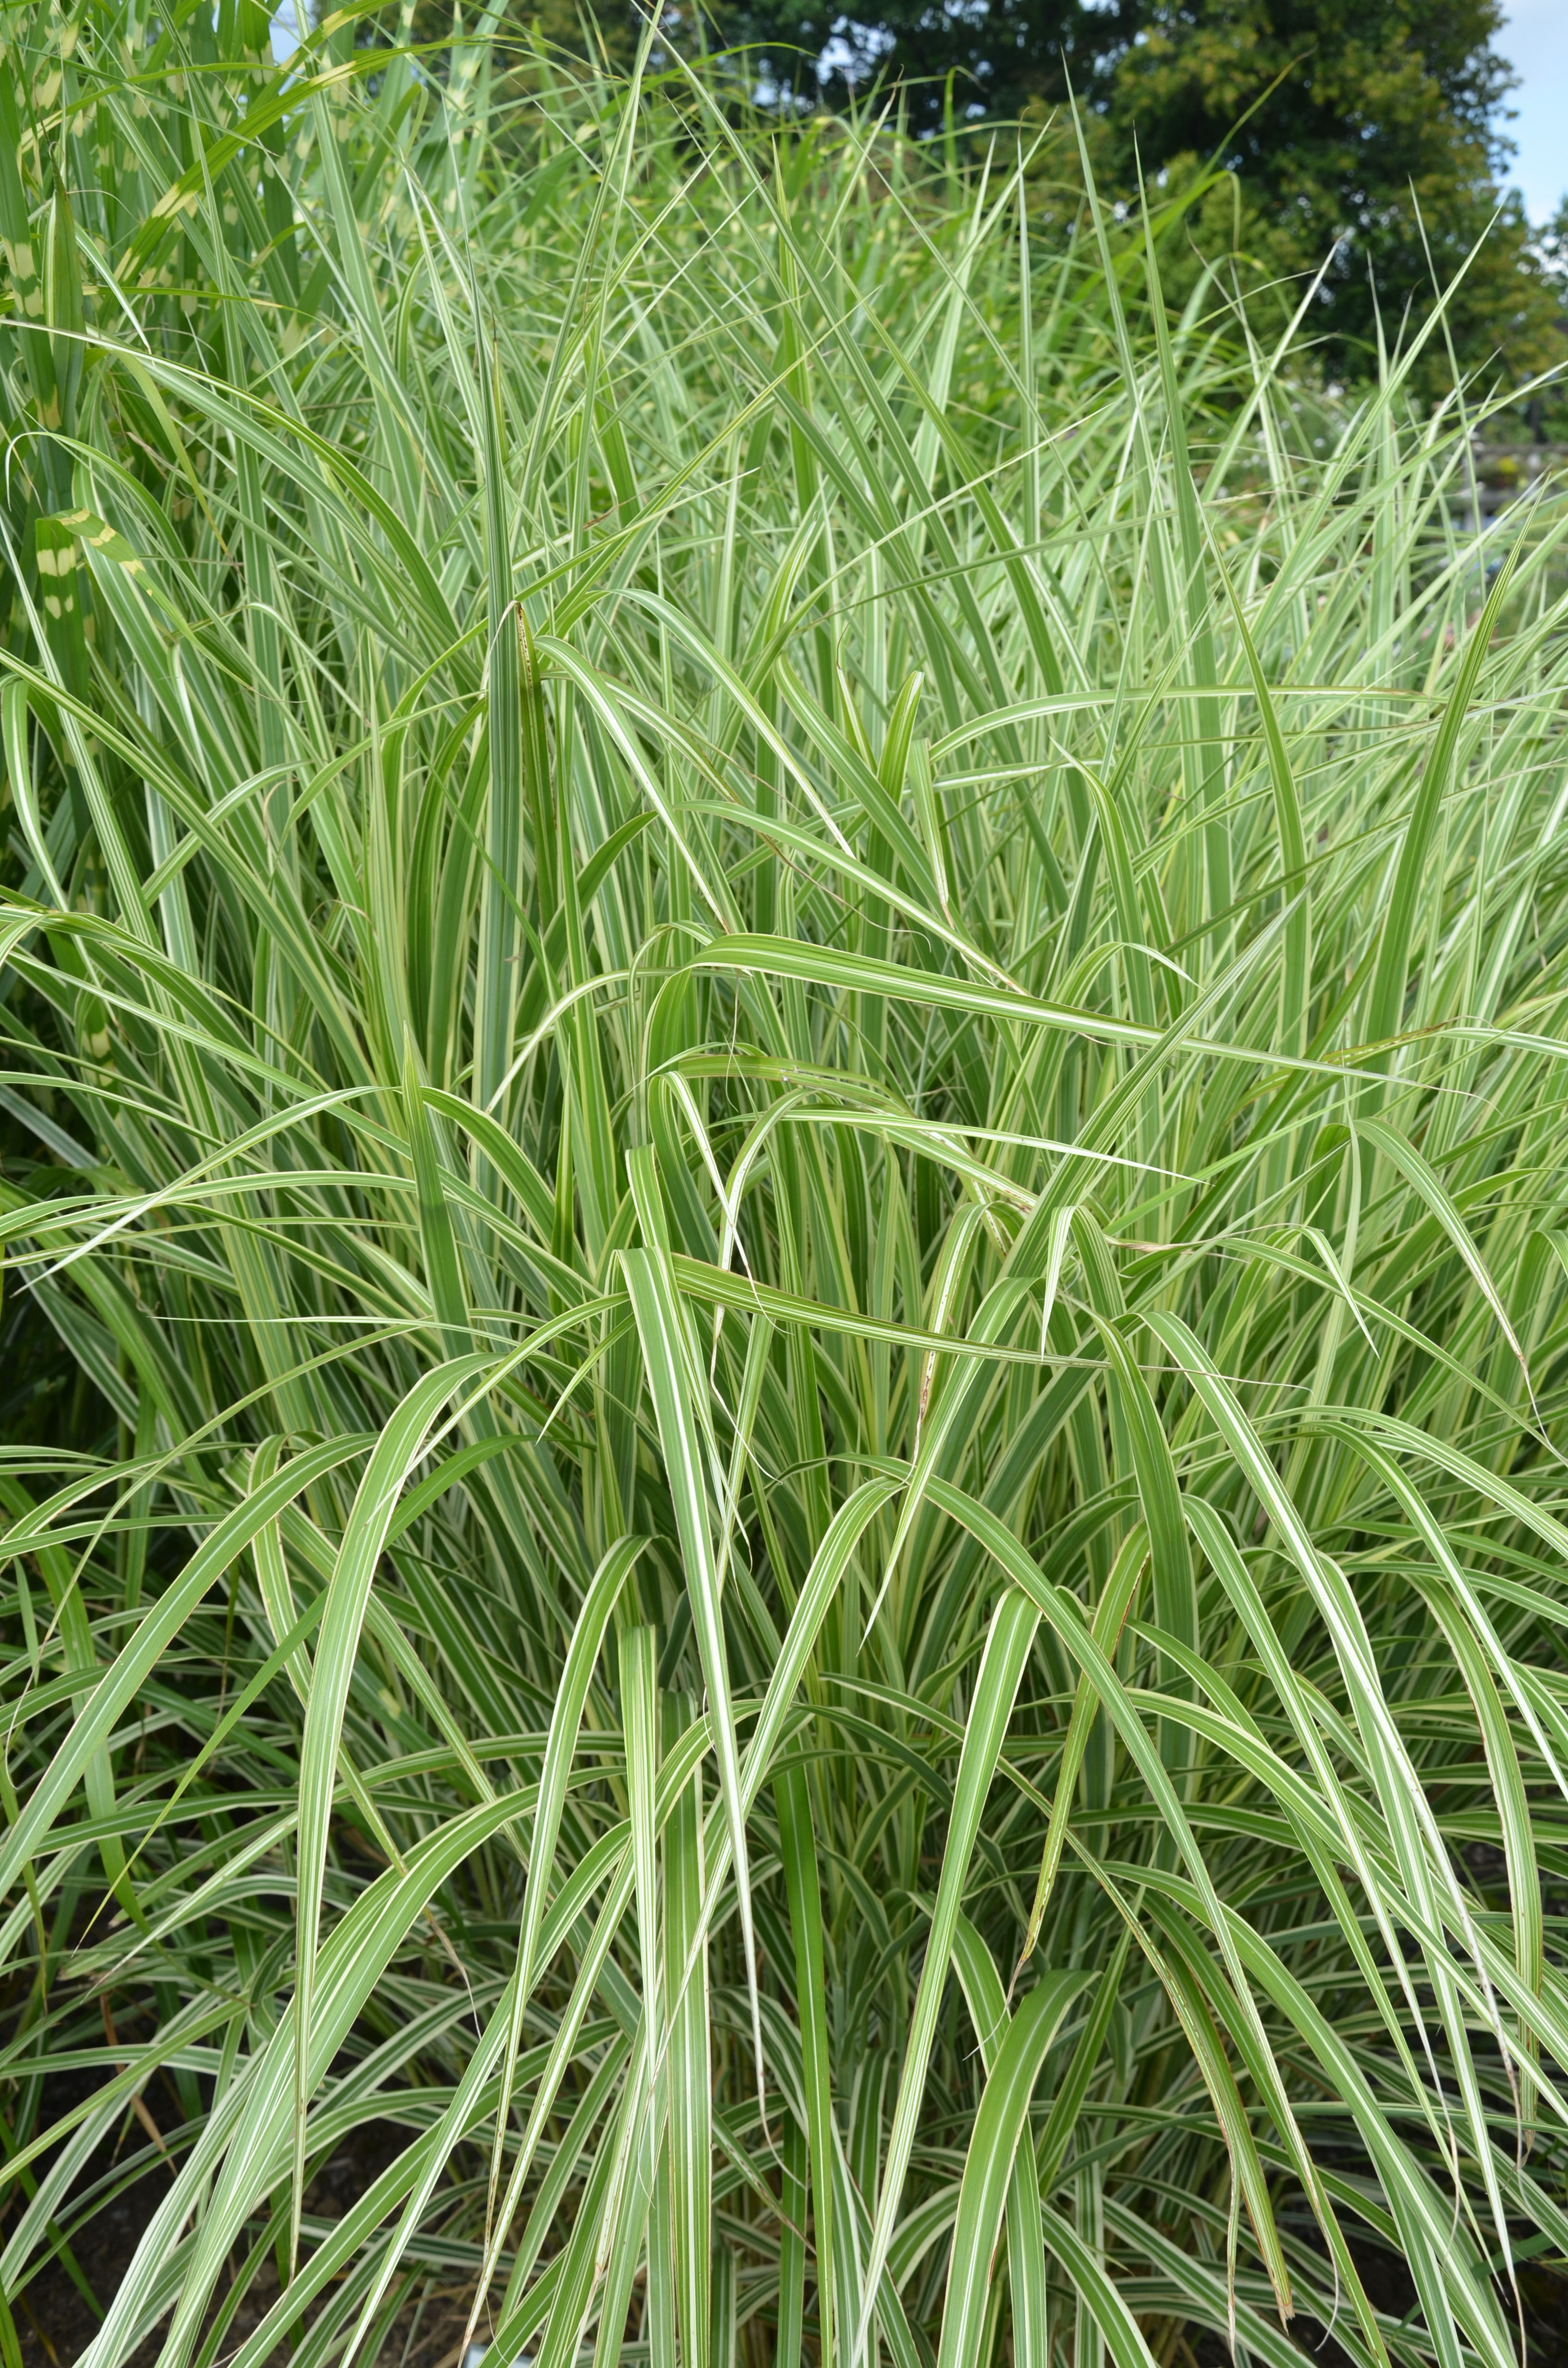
(1375, 151)
(1364, 136)
(998, 62)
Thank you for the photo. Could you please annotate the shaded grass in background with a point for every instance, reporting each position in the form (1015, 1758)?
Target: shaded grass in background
(792, 997)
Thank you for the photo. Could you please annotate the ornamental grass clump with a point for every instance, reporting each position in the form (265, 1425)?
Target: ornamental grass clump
(785, 986)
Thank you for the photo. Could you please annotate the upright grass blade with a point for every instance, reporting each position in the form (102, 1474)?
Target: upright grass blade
(998, 2127)
(1007, 1642)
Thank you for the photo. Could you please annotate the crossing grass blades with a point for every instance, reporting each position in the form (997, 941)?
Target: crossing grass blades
(787, 980)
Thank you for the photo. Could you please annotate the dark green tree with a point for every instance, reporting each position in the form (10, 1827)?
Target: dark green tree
(1378, 151)
(1001, 59)
(1364, 135)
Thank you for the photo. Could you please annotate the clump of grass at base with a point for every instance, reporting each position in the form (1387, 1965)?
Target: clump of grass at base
(793, 999)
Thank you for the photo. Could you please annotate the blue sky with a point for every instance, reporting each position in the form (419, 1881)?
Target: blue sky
(1535, 41)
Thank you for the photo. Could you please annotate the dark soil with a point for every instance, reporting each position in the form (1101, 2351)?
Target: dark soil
(1543, 2292)
(55, 2324)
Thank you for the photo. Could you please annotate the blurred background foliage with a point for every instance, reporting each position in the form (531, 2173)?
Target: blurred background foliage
(1363, 140)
